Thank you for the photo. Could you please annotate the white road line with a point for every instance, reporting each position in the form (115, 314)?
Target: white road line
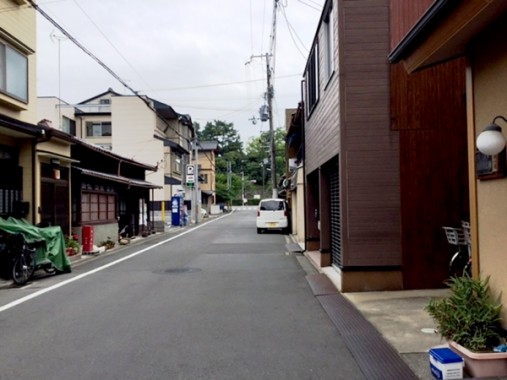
(93, 271)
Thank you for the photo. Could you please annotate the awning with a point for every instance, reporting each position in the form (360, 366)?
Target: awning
(41, 153)
(444, 30)
(168, 180)
(173, 145)
(118, 179)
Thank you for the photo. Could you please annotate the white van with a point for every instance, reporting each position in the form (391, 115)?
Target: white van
(272, 214)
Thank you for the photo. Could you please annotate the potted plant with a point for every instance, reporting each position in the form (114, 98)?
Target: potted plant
(469, 319)
(72, 245)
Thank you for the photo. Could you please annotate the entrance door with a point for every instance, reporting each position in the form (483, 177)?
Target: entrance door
(55, 208)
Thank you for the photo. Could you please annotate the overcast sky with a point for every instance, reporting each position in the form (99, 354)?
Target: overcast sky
(190, 54)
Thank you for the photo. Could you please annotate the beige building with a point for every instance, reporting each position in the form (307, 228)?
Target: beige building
(476, 30)
(207, 151)
(35, 160)
(295, 174)
(135, 127)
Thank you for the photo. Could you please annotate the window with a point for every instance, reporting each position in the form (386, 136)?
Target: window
(176, 163)
(98, 128)
(272, 205)
(13, 73)
(329, 43)
(69, 126)
(105, 101)
(96, 207)
(312, 80)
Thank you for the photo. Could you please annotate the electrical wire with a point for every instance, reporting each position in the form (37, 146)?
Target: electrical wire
(110, 43)
(144, 99)
(292, 32)
(220, 84)
(311, 6)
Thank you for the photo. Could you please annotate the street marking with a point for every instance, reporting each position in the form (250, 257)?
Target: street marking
(93, 271)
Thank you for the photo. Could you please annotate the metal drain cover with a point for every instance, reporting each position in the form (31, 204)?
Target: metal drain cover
(181, 270)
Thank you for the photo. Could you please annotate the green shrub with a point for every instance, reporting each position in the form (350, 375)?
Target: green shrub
(469, 316)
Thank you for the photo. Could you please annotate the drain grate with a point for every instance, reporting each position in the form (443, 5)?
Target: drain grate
(181, 270)
(374, 355)
(321, 284)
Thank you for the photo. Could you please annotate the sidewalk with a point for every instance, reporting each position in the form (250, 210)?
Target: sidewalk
(399, 317)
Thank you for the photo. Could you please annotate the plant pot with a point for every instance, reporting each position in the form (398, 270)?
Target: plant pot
(487, 364)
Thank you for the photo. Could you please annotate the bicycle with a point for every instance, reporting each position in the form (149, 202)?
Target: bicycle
(24, 260)
(17, 258)
(461, 261)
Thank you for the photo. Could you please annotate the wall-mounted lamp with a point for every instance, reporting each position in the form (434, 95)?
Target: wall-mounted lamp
(491, 141)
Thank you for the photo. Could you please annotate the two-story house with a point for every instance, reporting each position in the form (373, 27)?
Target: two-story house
(207, 151)
(35, 160)
(377, 158)
(473, 34)
(138, 128)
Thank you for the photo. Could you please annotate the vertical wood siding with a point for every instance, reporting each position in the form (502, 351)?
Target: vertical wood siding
(370, 149)
(404, 14)
(352, 119)
(429, 111)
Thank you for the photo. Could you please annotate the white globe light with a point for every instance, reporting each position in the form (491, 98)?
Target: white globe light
(491, 141)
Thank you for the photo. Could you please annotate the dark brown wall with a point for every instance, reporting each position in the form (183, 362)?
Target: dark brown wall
(429, 111)
(404, 14)
(369, 159)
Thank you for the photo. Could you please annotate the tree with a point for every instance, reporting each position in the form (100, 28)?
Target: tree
(257, 162)
(230, 151)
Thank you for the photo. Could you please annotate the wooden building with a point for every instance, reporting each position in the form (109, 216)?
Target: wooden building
(385, 163)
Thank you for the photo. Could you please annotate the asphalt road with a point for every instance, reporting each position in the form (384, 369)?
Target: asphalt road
(216, 302)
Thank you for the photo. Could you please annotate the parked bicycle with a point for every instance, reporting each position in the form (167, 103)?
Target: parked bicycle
(461, 261)
(18, 259)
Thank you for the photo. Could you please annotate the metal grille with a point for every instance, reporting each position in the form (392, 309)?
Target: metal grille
(336, 238)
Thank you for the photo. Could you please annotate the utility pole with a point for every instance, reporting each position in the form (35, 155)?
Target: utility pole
(59, 39)
(196, 183)
(229, 181)
(269, 96)
(242, 188)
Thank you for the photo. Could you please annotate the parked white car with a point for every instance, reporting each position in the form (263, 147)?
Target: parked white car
(272, 214)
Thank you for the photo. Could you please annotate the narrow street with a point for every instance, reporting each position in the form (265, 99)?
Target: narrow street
(216, 302)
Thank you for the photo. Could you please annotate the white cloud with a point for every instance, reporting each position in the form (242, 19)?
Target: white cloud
(173, 50)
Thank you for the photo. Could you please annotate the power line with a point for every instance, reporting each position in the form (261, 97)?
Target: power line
(110, 43)
(220, 84)
(292, 32)
(144, 99)
(311, 6)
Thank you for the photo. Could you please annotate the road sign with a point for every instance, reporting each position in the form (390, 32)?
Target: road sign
(190, 170)
(190, 178)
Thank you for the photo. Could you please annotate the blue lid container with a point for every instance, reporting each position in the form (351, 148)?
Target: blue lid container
(445, 355)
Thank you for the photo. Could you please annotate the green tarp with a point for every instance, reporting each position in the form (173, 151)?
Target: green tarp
(51, 247)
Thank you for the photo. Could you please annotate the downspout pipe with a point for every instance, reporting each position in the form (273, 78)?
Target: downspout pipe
(303, 139)
(44, 136)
